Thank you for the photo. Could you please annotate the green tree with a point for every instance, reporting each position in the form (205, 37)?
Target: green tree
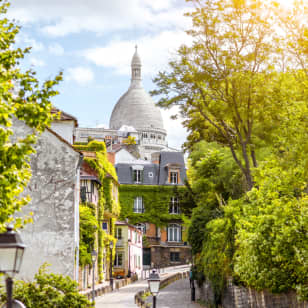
(225, 82)
(130, 140)
(49, 290)
(88, 227)
(22, 98)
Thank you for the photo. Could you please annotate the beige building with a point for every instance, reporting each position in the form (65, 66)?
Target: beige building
(128, 259)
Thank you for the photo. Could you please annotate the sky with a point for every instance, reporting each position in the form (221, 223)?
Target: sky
(92, 42)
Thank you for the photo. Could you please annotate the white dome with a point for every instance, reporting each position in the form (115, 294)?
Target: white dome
(136, 107)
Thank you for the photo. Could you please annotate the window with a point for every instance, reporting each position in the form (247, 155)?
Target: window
(174, 207)
(141, 227)
(174, 256)
(105, 226)
(118, 260)
(138, 205)
(144, 135)
(174, 233)
(137, 176)
(152, 136)
(150, 174)
(118, 233)
(174, 177)
(86, 190)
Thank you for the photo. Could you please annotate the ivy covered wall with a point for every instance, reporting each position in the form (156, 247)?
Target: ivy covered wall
(156, 200)
(106, 204)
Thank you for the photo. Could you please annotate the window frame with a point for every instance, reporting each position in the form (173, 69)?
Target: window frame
(119, 255)
(174, 256)
(118, 233)
(137, 176)
(138, 205)
(174, 233)
(174, 205)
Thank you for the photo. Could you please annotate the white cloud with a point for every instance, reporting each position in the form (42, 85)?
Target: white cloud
(176, 132)
(56, 49)
(37, 62)
(98, 16)
(81, 75)
(154, 51)
(30, 42)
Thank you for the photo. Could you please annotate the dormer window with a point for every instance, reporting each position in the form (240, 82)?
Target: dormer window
(137, 176)
(174, 176)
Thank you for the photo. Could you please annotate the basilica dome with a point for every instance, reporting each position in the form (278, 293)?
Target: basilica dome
(136, 107)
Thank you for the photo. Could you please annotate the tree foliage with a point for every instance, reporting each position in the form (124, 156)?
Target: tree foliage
(229, 83)
(49, 290)
(88, 226)
(22, 98)
(242, 85)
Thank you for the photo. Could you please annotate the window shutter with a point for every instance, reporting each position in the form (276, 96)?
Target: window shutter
(141, 176)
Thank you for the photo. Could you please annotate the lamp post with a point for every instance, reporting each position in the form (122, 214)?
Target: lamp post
(110, 273)
(11, 254)
(154, 281)
(93, 257)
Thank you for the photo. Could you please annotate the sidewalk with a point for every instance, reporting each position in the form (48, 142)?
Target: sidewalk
(124, 297)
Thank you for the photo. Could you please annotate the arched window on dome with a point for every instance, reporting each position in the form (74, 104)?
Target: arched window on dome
(136, 72)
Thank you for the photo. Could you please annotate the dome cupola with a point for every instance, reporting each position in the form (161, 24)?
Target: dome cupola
(136, 107)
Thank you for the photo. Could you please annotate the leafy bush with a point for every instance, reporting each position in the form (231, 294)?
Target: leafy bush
(49, 290)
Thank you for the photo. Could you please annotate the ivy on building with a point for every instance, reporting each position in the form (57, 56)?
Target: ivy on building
(156, 201)
(106, 204)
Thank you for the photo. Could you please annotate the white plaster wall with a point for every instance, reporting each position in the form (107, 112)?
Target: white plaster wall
(52, 237)
(65, 129)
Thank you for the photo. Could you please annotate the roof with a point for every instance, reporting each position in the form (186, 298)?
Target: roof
(64, 116)
(169, 159)
(123, 223)
(153, 173)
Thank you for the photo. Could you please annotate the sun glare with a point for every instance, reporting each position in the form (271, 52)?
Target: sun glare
(286, 3)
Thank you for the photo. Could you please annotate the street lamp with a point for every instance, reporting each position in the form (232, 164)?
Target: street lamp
(93, 257)
(154, 281)
(110, 273)
(11, 254)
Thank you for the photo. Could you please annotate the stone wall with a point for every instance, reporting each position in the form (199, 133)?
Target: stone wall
(160, 255)
(240, 297)
(53, 235)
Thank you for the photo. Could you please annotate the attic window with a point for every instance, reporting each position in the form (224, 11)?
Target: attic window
(137, 176)
(174, 176)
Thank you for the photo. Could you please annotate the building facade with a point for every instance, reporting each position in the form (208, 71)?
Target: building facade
(128, 258)
(153, 197)
(53, 237)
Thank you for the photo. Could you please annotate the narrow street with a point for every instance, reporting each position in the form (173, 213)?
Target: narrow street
(124, 297)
